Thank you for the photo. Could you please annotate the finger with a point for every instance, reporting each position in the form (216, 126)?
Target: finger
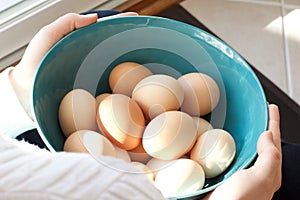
(269, 157)
(119, 15)
(267, 149)
(268, 163)
(51, 34)
(265, 141)
(127, 14)
(64, 25)
(274, 124)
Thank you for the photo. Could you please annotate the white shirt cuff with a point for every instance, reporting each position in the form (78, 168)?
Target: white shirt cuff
(13, 118)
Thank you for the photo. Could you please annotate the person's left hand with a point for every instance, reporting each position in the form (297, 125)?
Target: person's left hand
(22, 75)
(263, 179)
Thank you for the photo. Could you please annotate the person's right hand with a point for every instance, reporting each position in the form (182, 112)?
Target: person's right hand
(263, 179)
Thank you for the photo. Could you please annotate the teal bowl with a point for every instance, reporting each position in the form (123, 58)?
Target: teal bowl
(84, 59)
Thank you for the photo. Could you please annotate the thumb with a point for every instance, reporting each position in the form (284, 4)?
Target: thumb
(269, 159)
(23, 74)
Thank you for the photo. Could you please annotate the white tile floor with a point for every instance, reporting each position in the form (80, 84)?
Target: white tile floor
(265, 32)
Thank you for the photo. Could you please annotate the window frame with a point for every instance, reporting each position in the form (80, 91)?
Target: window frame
(16, 34)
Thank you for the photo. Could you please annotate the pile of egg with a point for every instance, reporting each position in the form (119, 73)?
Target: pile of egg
(153, 121)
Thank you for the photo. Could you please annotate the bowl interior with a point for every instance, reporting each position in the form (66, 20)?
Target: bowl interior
(84, 59)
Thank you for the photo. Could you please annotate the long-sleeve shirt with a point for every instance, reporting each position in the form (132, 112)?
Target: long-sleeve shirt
(29, 172)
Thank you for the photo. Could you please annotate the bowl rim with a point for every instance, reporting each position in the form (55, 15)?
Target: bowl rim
(179, 23)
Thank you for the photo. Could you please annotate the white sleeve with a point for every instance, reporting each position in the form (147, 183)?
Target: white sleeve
(13, 118)
(27, 172)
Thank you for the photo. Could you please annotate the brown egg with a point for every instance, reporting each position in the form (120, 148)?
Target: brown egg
(124, 77)
(202, 125)
(139, 154)
(214, 151)
(86, 141)
(77, 111)
(100, 98)
(157, 94)
(170, 135)
(201, 93)
(121, 120)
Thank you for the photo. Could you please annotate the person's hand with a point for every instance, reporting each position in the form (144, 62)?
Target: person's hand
(22, 75)
(263, 179)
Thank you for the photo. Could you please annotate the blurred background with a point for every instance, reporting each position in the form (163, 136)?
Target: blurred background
(265, 32)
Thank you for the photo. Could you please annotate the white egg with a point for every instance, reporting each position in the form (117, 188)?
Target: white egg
(214, 151)
(182, 176)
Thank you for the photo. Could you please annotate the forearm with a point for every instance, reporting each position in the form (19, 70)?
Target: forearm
(13, 118)
(21, 85)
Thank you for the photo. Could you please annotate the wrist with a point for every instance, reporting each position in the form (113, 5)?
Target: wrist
(21, 85)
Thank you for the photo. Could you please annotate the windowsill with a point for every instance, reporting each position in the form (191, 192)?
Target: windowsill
(16, 35)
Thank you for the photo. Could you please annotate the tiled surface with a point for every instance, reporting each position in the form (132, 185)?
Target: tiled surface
(293, 2)
(266, 33)
(292, 32)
